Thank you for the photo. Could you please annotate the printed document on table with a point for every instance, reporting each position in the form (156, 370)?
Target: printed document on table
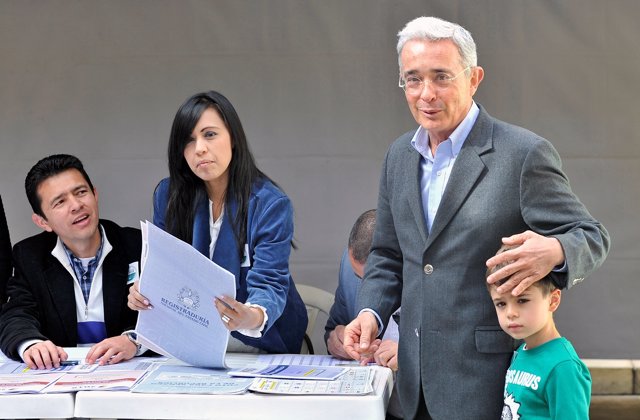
(303, 359)
(137, 363)
(321, 373)
(26, 384)
(23, 369)
(172, 379)
(97, 381)
(182, 284)
(356, 381)
(75, 368)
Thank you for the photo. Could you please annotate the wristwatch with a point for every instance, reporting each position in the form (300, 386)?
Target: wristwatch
(133, 337)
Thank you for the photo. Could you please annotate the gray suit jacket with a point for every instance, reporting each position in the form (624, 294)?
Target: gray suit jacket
(504, 181)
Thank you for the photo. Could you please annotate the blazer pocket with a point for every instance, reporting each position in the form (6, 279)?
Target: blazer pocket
(491, 339)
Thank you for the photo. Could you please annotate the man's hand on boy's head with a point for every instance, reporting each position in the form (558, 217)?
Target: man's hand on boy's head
(533, 259)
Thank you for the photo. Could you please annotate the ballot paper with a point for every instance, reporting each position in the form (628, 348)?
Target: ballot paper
(303, 359)
(320, 373)
(136, 363)
(22, 368)
(181, 285)
(26, 384)
(172, 379)
(97, 381)
(356, 381)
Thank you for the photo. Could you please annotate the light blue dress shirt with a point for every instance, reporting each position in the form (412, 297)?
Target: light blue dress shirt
(435, 171)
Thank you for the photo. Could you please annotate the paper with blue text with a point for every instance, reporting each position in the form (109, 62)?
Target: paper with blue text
(171, 379)
(321, 373)
(181, 284)
(356, 381)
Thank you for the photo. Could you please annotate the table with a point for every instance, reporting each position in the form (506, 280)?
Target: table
(38, 406)
(104, 404)
(43, 406)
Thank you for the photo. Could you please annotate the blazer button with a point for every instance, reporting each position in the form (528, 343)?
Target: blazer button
(428, 269)
(417, 332)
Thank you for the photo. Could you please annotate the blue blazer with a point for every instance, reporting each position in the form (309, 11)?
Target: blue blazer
(265, 280)
(344, 310)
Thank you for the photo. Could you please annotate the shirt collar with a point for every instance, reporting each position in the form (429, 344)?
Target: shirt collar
(73, 258)
(420, 140)
(61, 253)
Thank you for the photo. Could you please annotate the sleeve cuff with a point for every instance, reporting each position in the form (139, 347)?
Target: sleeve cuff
(256, 333)
(380, 325)
(25, 345)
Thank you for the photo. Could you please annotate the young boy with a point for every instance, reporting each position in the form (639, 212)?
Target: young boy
(546, 379)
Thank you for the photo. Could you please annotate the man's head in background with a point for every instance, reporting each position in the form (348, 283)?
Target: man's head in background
(360, 240)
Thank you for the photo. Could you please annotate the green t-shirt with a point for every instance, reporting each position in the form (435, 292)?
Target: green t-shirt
(547, 382)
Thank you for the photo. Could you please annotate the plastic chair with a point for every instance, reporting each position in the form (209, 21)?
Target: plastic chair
(316, 300)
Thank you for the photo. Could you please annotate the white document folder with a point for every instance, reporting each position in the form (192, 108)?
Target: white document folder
(181, 285)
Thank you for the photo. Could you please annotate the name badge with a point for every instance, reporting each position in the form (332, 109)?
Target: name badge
(132, 276)
(245, 257)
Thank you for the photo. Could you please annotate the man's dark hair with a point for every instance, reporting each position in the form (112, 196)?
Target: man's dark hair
(46, 168)
(361, 236)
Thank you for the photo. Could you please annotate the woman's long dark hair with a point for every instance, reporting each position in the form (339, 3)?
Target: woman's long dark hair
(186, 189)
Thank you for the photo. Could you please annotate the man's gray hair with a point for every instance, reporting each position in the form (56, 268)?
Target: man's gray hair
(436, 29)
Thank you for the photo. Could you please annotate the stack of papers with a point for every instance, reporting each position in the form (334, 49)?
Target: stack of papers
(182, 284)
(22, 369)
(98, 381)
(146, 375)
(26, 384)
(355, 381)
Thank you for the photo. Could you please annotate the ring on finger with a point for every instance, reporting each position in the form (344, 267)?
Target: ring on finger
(225, 319)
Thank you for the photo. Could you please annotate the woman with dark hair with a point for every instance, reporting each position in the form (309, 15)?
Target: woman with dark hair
(6, 267)
(218, 200)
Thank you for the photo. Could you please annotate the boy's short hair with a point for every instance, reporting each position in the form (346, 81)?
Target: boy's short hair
(546, 284)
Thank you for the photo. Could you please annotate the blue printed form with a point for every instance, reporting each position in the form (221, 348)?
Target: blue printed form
(182, 284)
(326, 373)
(172, 379)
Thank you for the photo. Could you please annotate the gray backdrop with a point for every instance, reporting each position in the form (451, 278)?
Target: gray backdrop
(315, 85)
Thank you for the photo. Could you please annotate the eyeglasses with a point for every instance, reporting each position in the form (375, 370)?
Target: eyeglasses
(414, 85)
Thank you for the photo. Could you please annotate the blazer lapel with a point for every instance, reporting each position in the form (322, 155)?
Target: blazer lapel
(60, 284)
(114, 293)
(226, 252)
(466, 171)
(412, 166)
(201, 237)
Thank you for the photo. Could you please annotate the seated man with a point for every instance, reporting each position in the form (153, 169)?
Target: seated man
(344, 308)
(70, 282)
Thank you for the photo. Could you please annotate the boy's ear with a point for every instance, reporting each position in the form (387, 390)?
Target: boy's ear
(554, 302)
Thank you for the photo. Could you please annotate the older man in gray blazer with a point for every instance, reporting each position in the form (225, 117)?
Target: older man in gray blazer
(450, 194)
